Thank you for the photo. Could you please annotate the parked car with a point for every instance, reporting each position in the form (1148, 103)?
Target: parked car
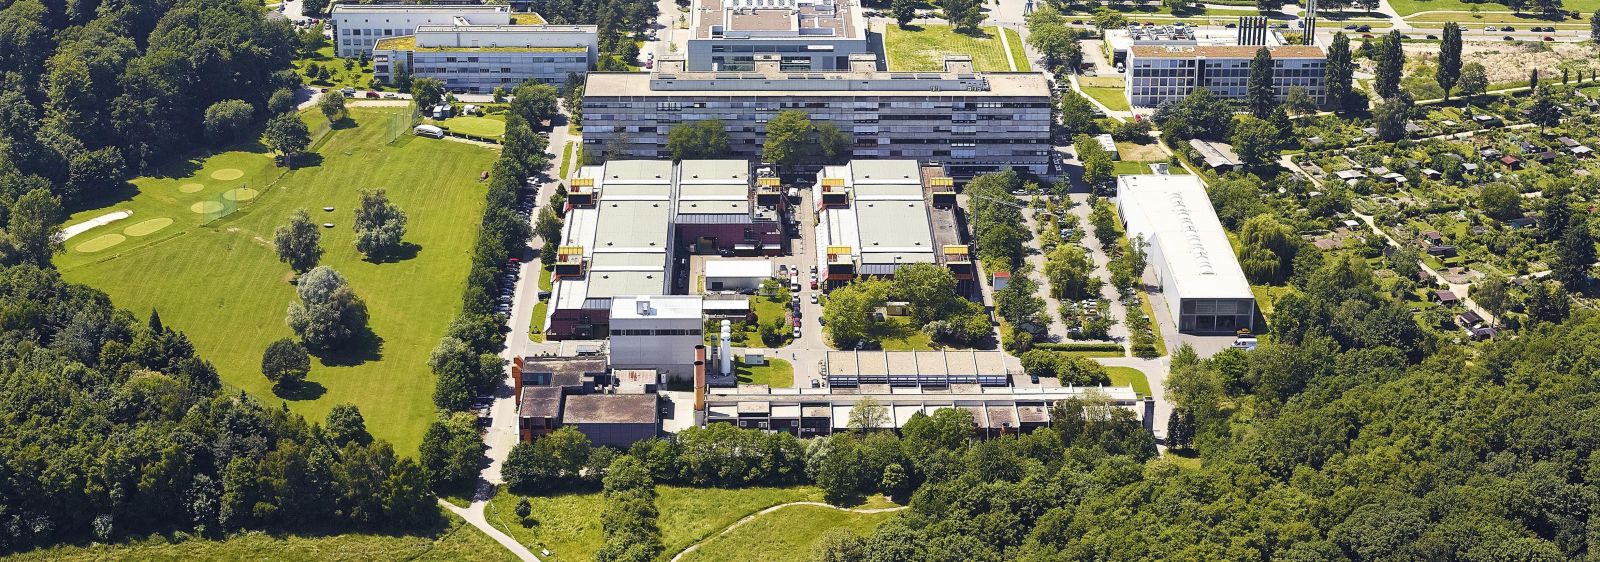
(813, 298)
(1507, 28)
(1246, 343)
(796, 332)
(1549, 38)
(1508, 38)
(1364, 28)
(372, 95)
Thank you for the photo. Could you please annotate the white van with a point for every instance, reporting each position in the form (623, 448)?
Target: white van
(428, 131)
(1246, 343)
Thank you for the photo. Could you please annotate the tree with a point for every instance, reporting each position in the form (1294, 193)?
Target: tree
(226, 120)
(1269, 5)
(1594, 26)
(329, 313)
(904, 11)
(282, 101)
(963, 15)
(1500, 200)
(1449, 70)
(788, 133)
(1544, 112)
(848, 311)
(1474, 79)
(535, 102)
(832, 143)
(1077, 114)
(427, 92)
(1492, 293)
(287, 135)
(1106, 18)
(1071, 273)
(1259, 97)
(929, 290)
(345, 425)
(285, 363)
(298, 242)
(332, 106)
(698, 140)
(380, 226)
(1267, 250)
(1548, 301)
(33, 232)
(451, 451)
(1299, 101)
(1533, 80)
(868, 414)
(548, 227)
(1340, 71)
(1389, 118)
(1391, 63)
(1574, 254)
(1256, 142)
(313, 8)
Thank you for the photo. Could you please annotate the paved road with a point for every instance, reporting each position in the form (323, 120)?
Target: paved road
(474, 515)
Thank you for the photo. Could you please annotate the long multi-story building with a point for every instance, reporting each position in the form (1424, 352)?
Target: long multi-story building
(1161, 73)
(809, 35)
(480, 58)
(968, 122)
(359, 27)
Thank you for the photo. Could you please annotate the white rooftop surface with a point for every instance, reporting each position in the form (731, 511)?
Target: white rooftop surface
(1176, 213)
(626, 235)
(887, 220)
(416, 8)
(739, 268)
(666, 306)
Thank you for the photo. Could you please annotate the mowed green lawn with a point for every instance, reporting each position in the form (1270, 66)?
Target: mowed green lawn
(1129, 376)
(784, 535)
(569, 524)
(1408, 7)
(456, 541)
(923, 48)
(776, 373)
(223, 285)
(488, 126)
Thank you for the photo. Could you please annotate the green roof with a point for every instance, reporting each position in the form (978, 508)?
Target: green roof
(409, 43)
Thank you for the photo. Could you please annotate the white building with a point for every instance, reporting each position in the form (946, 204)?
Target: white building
(1161, 73)
(359, 27)
(656, 332)
(736, 275)
(727, 35)
(480, 58)
(878, 215)
(1204, 288)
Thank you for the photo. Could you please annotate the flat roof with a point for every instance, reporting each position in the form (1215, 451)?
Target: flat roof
(887, 221)
(564, 365)
(1225, 51)
(738, 268)
(540, 402)
(778, 19)
(1174, 212)
(419, 8)
(921, 85)
(660, 306)
(610, 408)
(940, 362)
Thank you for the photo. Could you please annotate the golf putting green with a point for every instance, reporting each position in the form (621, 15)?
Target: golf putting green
(240, 194)
(101, 242)
(227, 174)
(206, 207)
(147, 227)
(191, 187)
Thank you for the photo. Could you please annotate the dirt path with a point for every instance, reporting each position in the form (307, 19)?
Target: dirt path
(748, 518)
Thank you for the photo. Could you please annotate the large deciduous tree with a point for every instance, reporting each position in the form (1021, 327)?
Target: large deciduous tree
(379, 224)
(698, 139)
(329, 313)
(1449, 71)
(285, 363)
(287, 135)
(227, 120)
(297, 242)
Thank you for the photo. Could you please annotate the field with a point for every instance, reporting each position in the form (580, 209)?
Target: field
(1127, 167)
(777, 373)
(1408, 7)
(784, 535)
(456, 541)
(1018, 54)
(897, 334)
(569, 524)
(923, 48)
(1108, 90)
(1129, 376)
(221, 282)
(357, 76)
(492, 126)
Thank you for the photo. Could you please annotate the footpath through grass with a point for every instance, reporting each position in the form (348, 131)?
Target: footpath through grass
(569, 524)
(456, 540)
(784, 535)
(923, 48)
(215, 275)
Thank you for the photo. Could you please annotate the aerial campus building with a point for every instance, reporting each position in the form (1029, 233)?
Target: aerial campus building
(630, 222)
(1166, 63)
(875, 216)
(1201, 282)
(468, 48)
(808, 35)
(966, 121)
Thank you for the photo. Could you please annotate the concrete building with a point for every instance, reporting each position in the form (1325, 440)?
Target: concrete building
(969, 122)
(877, 215)
(736, 275)
(613, 407)
(628, 221)
(808, 412)
(480, 58)
(808, 35)
(915, 368)
(1161, 73)
(657, 332)
(1201, 282)
(359, 27)
(613, 420)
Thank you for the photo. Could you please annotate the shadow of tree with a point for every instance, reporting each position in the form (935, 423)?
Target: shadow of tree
(305, 390)
(364, 347)
(406, 251)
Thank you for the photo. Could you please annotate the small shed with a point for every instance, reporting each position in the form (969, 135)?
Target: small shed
(1445, 297)
(1511, 162)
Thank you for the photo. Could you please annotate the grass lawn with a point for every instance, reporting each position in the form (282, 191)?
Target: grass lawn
(357, 76)
(1466, 19)
(1408, 7)
(569, 524)
(526, 18)
(777, 373)
(1108, 90)
(492, 126)
(1129, 376)
(1124, 167)
(455, 540)
(1155, 327)
(923, 48)
(897, 334)
(221, 282)
(765, 309)
(536, 324)
(566, 159)
(784, 535)
(1019, 56)
(1135, 152)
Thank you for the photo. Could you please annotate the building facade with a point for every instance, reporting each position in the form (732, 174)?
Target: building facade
(1162, 73)
(359, 27)
(1201, 281)
(970, 123)
(478, 59)
(657, 332)
(808, 35)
